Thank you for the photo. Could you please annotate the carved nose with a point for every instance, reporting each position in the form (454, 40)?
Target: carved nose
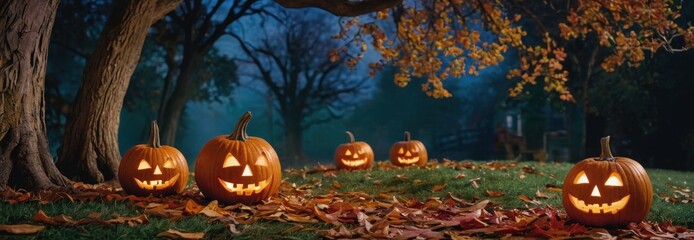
(408, 154)
(247, 172)
(596, 192)
(157, 171)
(356, 155)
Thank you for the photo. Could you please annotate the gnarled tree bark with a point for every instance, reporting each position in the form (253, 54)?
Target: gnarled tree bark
(89, 150)
(25, 160)
(344, 8)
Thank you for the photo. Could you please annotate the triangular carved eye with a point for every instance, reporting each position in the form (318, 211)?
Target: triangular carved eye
(262, 160)
(401, 151)
(231, 161)
(614, 180)
(143, 165)
(581, 178)
(347, 153)
(169, 164)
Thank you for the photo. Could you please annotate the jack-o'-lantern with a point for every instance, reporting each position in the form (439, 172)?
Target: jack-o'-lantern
(237, 168)
(153, 168)
(354, 155)
(607, 191)
(408, 152)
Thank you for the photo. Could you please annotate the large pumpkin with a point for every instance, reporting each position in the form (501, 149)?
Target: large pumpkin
(607, 191)
(153, 168)
(237, 168)
(408, 152)
(354, 155)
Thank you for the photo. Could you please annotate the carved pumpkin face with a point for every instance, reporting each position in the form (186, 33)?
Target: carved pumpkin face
(354, 155)
(408, 152)
(237, 168)
(152, 168)
(607, 191)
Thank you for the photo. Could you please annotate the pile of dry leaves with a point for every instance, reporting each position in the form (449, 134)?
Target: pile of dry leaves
(351, 214)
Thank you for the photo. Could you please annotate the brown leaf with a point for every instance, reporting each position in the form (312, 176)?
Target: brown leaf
(212, 210)
(417, 181)
(495, 193)
(131, 221)
(539, 194)
(192, 208)
(173, 234)
(21, 228)
(95, 215)
(401, 176)
(474, 182)
(232, 229)
(553, 188)
(527, 199)
(337, 185)
(460, 175)
(437, 188)
(323, 216)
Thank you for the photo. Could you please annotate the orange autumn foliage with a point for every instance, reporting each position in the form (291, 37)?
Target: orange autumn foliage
(441, 39)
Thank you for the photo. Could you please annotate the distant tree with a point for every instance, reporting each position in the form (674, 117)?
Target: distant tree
(308, 88)
(392, 110)
(188, 35)
(25, 161)
(89, 151)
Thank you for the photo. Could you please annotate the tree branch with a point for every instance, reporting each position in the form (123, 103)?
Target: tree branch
(345, 8)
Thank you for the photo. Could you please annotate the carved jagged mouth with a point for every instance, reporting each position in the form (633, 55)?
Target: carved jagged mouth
(612, 207)
(239, 188)
(354, 162)
(156, 184)
(403, 160)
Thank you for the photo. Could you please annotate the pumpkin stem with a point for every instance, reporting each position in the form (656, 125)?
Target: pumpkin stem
(239, 132)
(407, 136)
(351, 136)
(605, 152)
(154, 136)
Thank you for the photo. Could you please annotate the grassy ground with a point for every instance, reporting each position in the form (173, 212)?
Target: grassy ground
(404, 183)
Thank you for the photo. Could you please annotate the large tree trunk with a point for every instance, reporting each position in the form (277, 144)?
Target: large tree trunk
(90, 146)
(173, 108)
(25, 160)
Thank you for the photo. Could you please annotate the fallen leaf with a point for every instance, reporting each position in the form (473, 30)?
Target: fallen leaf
(192, 208)
(337, 185)
(553, 188)
(212, 210)
(173, 234)
(232, 229)
(95, 215)
(527, 199)
(401, 176)
(21, 228)
(417, 181)
(437, 188)
(495, 193)
(539, 194)
(474, 183)
(460, 175)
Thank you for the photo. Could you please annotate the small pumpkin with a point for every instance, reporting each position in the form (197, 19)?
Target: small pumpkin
(607, 190)
(153, 168)
(238, 168)
(408, 152)
(354, 155)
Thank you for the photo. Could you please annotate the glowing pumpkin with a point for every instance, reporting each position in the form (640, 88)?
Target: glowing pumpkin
(354, 155)
(153, 168)
(408, 152)
(607, 191)
(237, 168)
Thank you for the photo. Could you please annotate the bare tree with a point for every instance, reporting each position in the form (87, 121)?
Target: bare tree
(198, 25)
(292, 62)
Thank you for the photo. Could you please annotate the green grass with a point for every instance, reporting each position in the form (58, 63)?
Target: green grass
(372, 182)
